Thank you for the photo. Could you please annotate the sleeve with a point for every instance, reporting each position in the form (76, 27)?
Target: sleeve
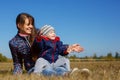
(17, 65)
(14, 52)
(62, 48)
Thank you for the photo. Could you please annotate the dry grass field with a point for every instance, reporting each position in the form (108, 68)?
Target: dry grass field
(100, 70)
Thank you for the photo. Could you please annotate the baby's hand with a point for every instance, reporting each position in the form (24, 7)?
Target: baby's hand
(77, 48)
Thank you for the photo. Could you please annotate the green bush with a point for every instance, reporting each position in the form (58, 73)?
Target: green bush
(3, 58)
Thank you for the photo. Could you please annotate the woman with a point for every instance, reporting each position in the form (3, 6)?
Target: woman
(21, 43)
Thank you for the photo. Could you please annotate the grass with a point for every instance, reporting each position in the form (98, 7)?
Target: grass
(101, 70)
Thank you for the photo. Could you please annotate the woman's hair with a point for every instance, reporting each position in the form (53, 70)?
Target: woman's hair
(21, 20)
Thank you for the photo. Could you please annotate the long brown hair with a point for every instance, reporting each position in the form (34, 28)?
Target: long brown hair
(21, 20)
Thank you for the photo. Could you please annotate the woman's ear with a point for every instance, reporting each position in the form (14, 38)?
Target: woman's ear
(18, 25)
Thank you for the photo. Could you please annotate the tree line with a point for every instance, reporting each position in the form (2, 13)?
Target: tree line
(109, 56)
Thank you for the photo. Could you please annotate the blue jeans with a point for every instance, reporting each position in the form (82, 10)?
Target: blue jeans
(58, 71)
(59, 68)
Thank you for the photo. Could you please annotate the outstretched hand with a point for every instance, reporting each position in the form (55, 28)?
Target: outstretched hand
(77, 48)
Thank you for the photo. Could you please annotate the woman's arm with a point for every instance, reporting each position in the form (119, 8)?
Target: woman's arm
(16, 59)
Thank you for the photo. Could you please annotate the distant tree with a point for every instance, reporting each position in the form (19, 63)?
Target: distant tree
(73, 57)
(109, 56)
(86, 57)
(116, 55)
(101, 57)
(3, 58)
(94, 56)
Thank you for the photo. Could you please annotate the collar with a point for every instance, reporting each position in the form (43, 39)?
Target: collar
(23, 35)
(47, 39)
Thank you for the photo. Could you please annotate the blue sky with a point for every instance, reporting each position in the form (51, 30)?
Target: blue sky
(94, 24)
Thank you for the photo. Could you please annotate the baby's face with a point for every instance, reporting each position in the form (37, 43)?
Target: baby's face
(51, 34)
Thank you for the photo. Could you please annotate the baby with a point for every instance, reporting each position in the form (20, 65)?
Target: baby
(49, 47)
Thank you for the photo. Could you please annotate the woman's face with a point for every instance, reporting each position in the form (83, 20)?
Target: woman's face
(26, 28)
